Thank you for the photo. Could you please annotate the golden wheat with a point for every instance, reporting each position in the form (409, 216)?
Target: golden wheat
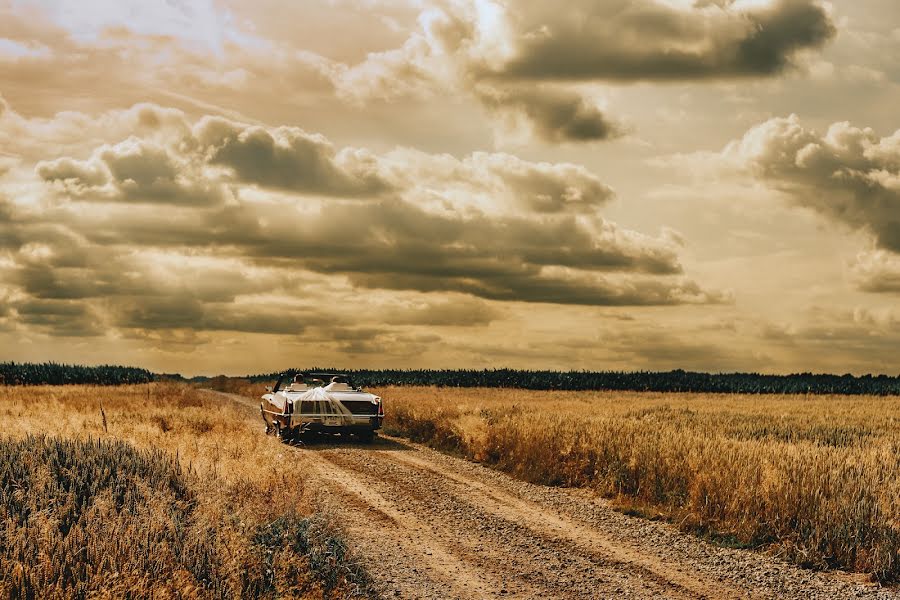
(86, 513)
(814, 478)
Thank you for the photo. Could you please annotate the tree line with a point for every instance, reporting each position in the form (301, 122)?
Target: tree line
(12, 373)
(640, 381)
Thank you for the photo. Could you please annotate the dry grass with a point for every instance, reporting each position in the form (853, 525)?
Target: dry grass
(816, 479)
(156, 490)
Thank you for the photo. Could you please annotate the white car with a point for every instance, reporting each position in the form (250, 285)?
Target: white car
(302, 403)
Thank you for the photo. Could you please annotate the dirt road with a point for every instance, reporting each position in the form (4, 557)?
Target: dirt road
(431, 526)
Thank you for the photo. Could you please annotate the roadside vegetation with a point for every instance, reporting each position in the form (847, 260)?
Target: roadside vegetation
(815, 479)
(156, 490)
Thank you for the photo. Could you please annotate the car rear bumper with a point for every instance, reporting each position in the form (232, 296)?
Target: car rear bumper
(322, 422)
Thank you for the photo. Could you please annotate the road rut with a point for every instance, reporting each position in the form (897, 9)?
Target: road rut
(427, 525)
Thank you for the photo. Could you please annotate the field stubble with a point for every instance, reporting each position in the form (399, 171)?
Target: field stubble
(156, 489)
(815, 479)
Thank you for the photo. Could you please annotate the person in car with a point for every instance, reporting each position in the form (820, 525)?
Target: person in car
(338, 384)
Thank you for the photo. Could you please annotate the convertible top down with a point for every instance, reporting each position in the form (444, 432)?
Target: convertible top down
(301, 403)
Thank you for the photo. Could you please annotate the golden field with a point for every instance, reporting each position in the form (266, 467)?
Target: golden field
(813, 478)
(156, 490)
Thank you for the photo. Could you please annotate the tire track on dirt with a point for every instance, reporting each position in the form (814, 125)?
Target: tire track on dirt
(512, 534)
(544, 520)
(410, 559)
(427, 525)
(416, 537)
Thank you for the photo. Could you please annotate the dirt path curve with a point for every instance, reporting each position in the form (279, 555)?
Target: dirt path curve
(432, 526)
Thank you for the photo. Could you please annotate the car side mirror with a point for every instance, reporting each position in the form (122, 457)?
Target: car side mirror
(268, 388)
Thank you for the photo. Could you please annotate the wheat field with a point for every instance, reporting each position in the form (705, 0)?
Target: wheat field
(815, 479)
(156, 490)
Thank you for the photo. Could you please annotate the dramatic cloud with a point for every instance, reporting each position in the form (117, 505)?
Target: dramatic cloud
(60, 318)
(878, 271)
(237, 187)
(288, 158)
(132, 171)
(496, 183)
(849, 175)
(253, 213)
(555, 115)
(499, 50)
(652, 39)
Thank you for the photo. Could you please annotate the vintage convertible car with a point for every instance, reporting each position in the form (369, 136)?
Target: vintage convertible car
(302, 403)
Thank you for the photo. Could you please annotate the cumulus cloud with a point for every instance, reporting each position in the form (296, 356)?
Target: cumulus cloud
(134, 170)
(848, 174)
(651, 39)
(254, 214)
(486, 227)
(175, 164)
(511, 56)
(289, 158)
(555, 115)
(877, 271)
(496, 182)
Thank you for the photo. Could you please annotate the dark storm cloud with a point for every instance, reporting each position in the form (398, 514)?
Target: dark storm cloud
(849, 175)
(644, 39)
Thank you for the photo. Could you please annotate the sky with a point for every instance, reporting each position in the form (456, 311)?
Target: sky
(237, 187)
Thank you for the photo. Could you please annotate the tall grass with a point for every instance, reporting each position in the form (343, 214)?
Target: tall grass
(164, 492)
(815, 479)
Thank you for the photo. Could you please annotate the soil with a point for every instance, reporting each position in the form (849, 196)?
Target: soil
(428, 525)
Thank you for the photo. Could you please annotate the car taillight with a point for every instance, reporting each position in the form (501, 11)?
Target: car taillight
(380, 409)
